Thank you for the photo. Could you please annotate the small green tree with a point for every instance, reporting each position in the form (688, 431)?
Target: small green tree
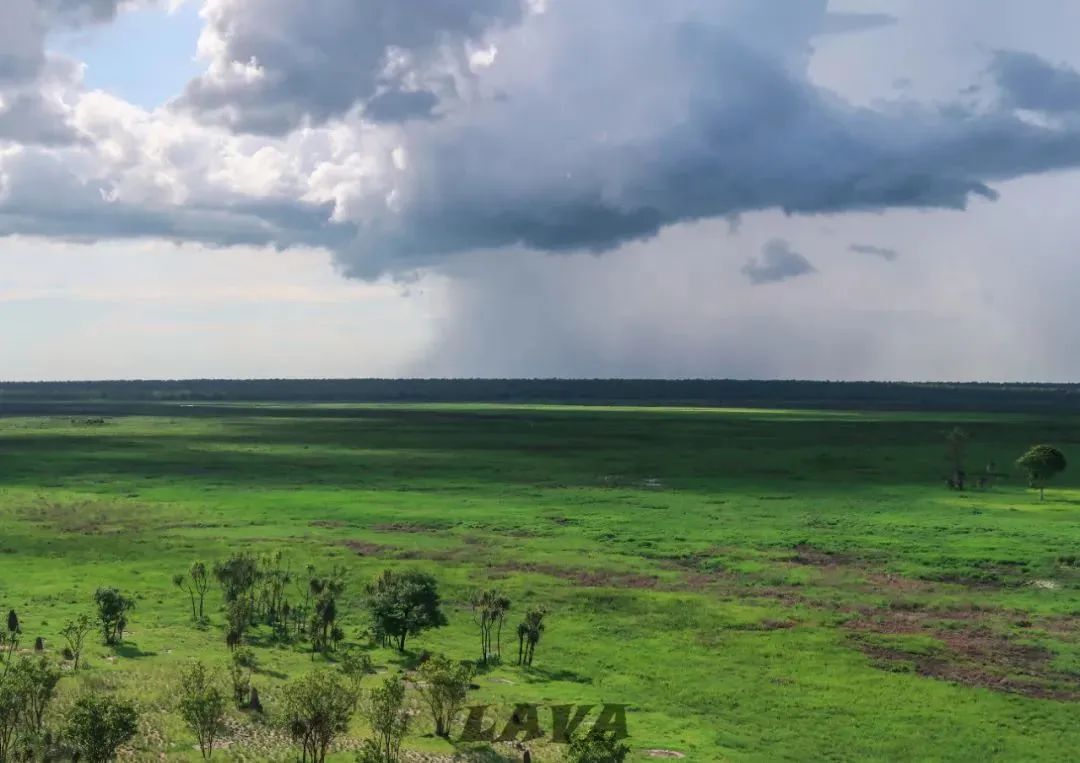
(444, 686)
(241, 668)
(10, 711)
(75, 633)
(1041, 462)
(98, 724)
(388, 716)
(35, 680)
(180, 581)
(200, 581)
(112, 609)
(529, 631)
(10, 639)
(323, 621)
(956, 443)
(237, 620)
(237, 576)
(195, 584)
(355, 665)
(318, 708)
(202, 706)
(596, 747)
(489, 610)
(404, 604)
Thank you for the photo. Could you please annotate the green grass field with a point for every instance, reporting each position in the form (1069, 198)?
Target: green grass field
(754, 585)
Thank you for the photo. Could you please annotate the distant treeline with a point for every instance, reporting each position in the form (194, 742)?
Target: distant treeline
(17, 396)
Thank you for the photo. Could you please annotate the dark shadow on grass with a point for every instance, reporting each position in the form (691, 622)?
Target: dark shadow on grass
(473, 754)
(544, 675)
(129, 650)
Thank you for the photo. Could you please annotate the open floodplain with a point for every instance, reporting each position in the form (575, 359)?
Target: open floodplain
(750, 584)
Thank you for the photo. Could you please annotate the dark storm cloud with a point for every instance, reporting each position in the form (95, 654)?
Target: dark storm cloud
(1030, 82)
(883, 252)
(319, 59)
(742, 132)
(777, 262)
(400, 105)
(581, 126)
(46, 197)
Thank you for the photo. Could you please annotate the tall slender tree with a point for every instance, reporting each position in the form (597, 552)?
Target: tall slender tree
(529, 631)
(489, 611)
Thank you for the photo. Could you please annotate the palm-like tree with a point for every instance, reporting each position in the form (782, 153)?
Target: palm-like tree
(529, 632)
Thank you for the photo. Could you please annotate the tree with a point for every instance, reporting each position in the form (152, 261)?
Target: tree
(596, 747)
(956, 442)
(388, 716)
(10, 711)
(323, 621)
(35, 679)
(180, 581)
(529, 632)
(304, 587)
(489, 610)
(113, 608)
(237, 620)
(195, 584)
(404, 604)
(1041, 462)
(98, 724)
(11, 638)
(202, 706)
(240, 669)
(27, 686)
(75, 633)
(354, 666)
(236, 576)
(444, 687)
(272, 579)
(318, 708)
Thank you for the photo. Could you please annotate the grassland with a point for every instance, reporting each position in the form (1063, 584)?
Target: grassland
(755, 585)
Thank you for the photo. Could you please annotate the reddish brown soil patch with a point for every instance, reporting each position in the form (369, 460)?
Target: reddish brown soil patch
(363, 548)
(806, 554)
(885, 581)
(407, 527)
(582, 577)
(386, 551)
(1064, 627)
(973, 652)
(776, 625)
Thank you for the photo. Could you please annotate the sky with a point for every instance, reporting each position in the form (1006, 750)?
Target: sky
(866, 189)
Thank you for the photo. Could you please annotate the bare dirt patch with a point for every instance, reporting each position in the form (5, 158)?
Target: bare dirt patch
(583, 577)
(816, 557)
(880, 581)
(387, 551)
(664, 754)
(974, 651)
(364, 548)
(408, 527)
